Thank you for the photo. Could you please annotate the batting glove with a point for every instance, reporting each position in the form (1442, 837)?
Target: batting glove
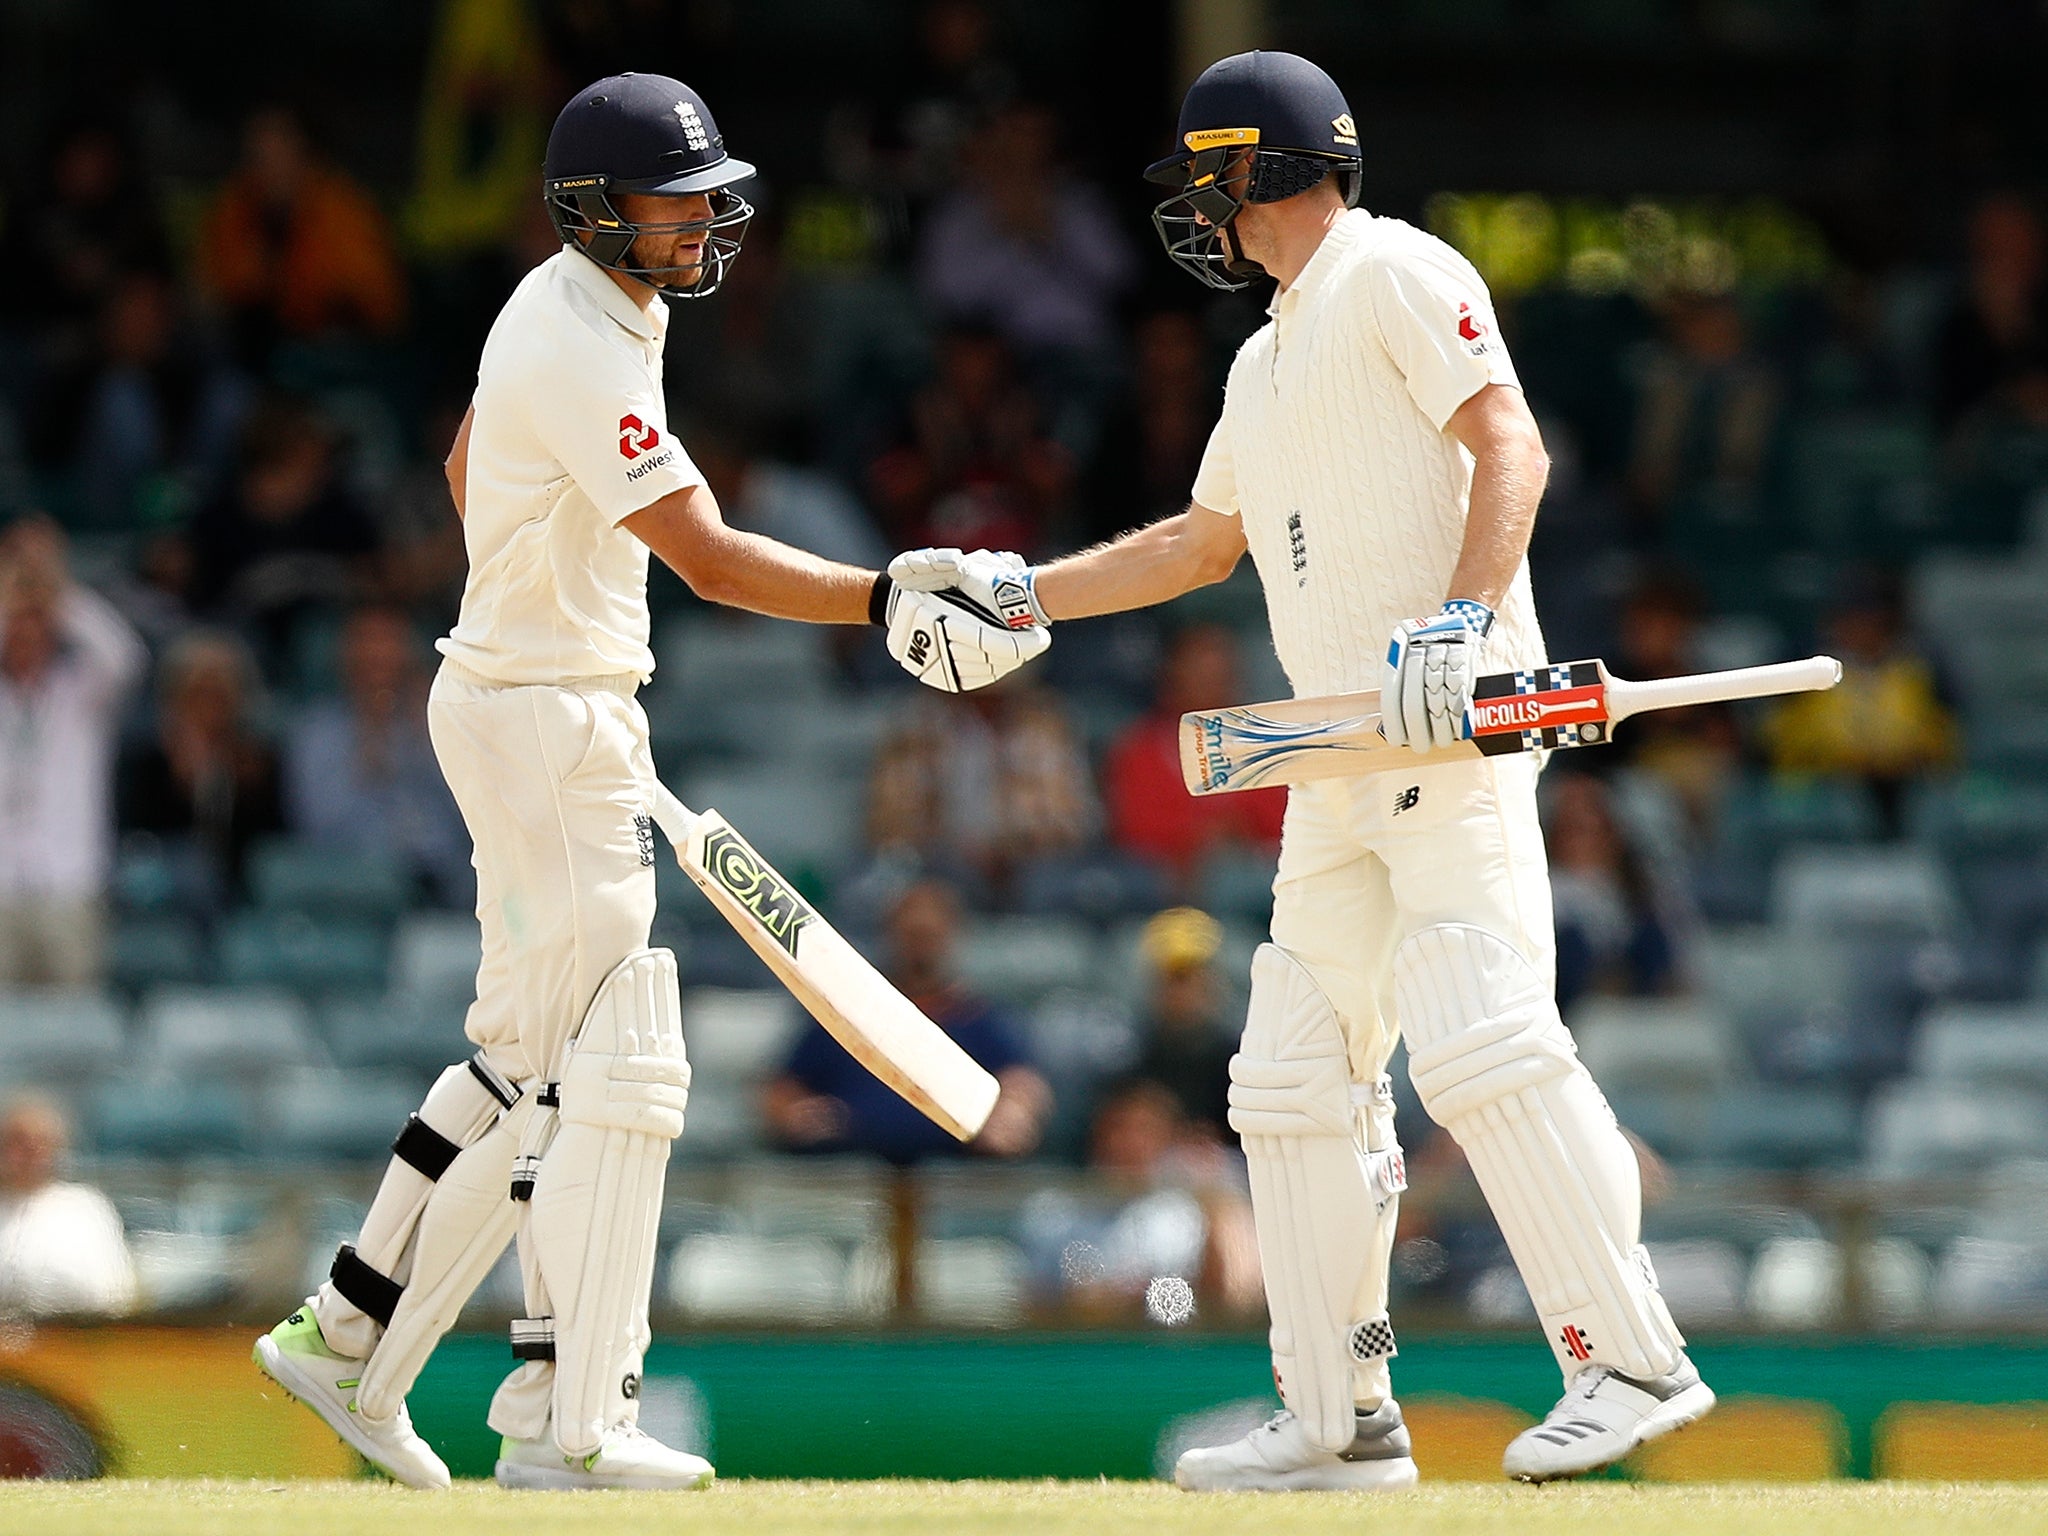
(946, 644)
(1426, 689)
(997, 582)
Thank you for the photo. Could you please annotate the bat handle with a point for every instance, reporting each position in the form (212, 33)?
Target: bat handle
(1811, 675)
(673, 817)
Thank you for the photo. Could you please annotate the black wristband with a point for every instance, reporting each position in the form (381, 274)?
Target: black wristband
(878, 599)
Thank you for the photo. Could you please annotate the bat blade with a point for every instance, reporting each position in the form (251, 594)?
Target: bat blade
(881, 1028)
(1291, 741)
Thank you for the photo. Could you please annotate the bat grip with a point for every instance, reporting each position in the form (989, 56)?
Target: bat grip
(1811, 675)
(673, 817)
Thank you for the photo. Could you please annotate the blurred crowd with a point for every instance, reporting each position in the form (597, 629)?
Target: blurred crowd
(225, 551)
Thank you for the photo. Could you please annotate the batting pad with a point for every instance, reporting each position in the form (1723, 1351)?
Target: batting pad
(1325, 1177)
(597, 1197)
(464, 1102)
(1493, 1065)
(465, 1225)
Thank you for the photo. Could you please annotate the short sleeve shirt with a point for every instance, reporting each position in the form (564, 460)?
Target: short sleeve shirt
(570, 437)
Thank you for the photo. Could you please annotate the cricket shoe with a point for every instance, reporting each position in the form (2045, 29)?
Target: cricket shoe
(627, 1457)
(296, 1357)
(1602, 1417)
(1279, 1456)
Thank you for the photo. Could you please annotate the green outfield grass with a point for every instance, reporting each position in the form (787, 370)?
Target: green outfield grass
(138, 1508)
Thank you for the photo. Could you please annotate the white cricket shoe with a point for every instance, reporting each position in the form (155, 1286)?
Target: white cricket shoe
(627, 1457)
(1278, 1456)
(296, 1357)
(1602, 1417)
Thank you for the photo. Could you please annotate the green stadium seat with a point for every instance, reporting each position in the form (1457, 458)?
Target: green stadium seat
(288, 874)
(293, 949)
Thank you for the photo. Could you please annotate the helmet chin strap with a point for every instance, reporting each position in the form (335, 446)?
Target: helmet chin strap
(1235, 262)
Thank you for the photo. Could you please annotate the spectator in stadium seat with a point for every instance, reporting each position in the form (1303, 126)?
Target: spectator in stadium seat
(1886, 723)
(286, 537)
(1151, 814)
(973, 466)
(1619, 928)
(67, 662)
(62, 1250)
(1695, 751)
(1187, 1041)
(1166, 1205)
(67, 239)
(983, 787)
(206, 779)
(360, 772)
(1161, 426)
(295, 249)
(1026, 246)
(825, 1101)
(1993, 347)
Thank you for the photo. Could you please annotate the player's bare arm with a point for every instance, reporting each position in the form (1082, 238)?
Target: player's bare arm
(1509, 471)
(728, 565)
(456, 465)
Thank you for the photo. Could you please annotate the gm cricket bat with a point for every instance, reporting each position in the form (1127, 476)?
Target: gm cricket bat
(1571, 704)
(881, 1028)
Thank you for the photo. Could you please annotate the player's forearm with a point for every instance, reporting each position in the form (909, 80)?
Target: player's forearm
(1505, 491)
(746, 570)
(1153, 564)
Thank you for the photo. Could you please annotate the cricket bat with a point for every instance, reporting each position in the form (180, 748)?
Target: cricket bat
(1570, 704)
(881, 1028)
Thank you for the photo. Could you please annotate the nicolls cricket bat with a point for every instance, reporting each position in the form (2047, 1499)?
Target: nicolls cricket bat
(1570, 704)
(882, 1029)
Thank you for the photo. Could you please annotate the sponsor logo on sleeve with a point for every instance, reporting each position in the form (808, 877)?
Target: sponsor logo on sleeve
(636, 436)
(1473, 331)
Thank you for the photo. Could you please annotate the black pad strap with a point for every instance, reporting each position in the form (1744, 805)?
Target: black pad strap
(424, 1148)
(367, 1290)
(550, 1096)
(533, 1338)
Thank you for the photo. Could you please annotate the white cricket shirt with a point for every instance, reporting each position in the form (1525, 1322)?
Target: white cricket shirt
(570, 437)
(1332, 449)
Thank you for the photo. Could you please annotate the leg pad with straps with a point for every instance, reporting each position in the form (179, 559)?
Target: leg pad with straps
(1325, 1175)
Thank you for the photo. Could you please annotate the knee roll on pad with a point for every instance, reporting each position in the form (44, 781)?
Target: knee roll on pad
(597, 1200)
(1493, 1064)
(1325, 1175)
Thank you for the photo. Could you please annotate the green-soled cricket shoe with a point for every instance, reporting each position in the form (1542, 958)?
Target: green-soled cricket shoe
(296, 1357)
(628, 1457)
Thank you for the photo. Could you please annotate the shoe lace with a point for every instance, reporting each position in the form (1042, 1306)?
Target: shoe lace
(1583, 1386)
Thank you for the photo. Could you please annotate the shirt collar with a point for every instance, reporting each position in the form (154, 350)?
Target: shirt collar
(1340, 237)
(611, 298)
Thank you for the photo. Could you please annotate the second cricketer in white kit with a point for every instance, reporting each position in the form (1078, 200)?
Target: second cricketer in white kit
(1376, 456)
(567, 474)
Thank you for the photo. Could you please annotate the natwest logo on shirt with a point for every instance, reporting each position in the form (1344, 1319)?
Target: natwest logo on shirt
(1472, 330)
(635, 436)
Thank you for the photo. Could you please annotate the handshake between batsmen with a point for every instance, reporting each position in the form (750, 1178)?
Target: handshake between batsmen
(960, 621)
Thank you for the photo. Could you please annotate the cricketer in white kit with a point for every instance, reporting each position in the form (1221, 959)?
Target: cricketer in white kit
(566, 473)
(1376, 456)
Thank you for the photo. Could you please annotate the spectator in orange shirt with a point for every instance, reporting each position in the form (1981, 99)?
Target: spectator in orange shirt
(1151, 813)
(295, 248)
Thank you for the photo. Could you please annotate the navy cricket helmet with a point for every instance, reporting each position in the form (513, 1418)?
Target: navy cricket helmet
(652, 135)
(1297, 127)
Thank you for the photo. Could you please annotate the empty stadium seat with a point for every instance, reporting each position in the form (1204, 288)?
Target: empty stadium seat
(740, 1037)
(158, 1116)
(209, 1031)
(1899, 890)
(1917, 1127)
(975, 1282)
(1662, 1043)
(1984, 1043)
(1764, 1125)
(57, 1035)
(794, 817)
(435, 955)
(1703, 1279)
(706, 662)
(155, 949)
(1020, 959)
(736, 1276)
(321, 1113)
(307, 877)
(417, 1036)
(295, 949)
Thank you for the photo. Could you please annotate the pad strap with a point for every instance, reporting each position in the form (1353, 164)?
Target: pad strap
(376, 1295)
(423, 1148)
(533, 1338)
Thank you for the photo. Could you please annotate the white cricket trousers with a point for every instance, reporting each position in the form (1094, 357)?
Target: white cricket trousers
(557, 787)
(1366, 862)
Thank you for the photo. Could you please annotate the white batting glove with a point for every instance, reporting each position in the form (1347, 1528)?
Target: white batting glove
(996, 581)
(945, 644)
(1426, 688)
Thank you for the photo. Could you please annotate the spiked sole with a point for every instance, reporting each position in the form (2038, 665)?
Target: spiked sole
(518, 1474)
(1388, 1476)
